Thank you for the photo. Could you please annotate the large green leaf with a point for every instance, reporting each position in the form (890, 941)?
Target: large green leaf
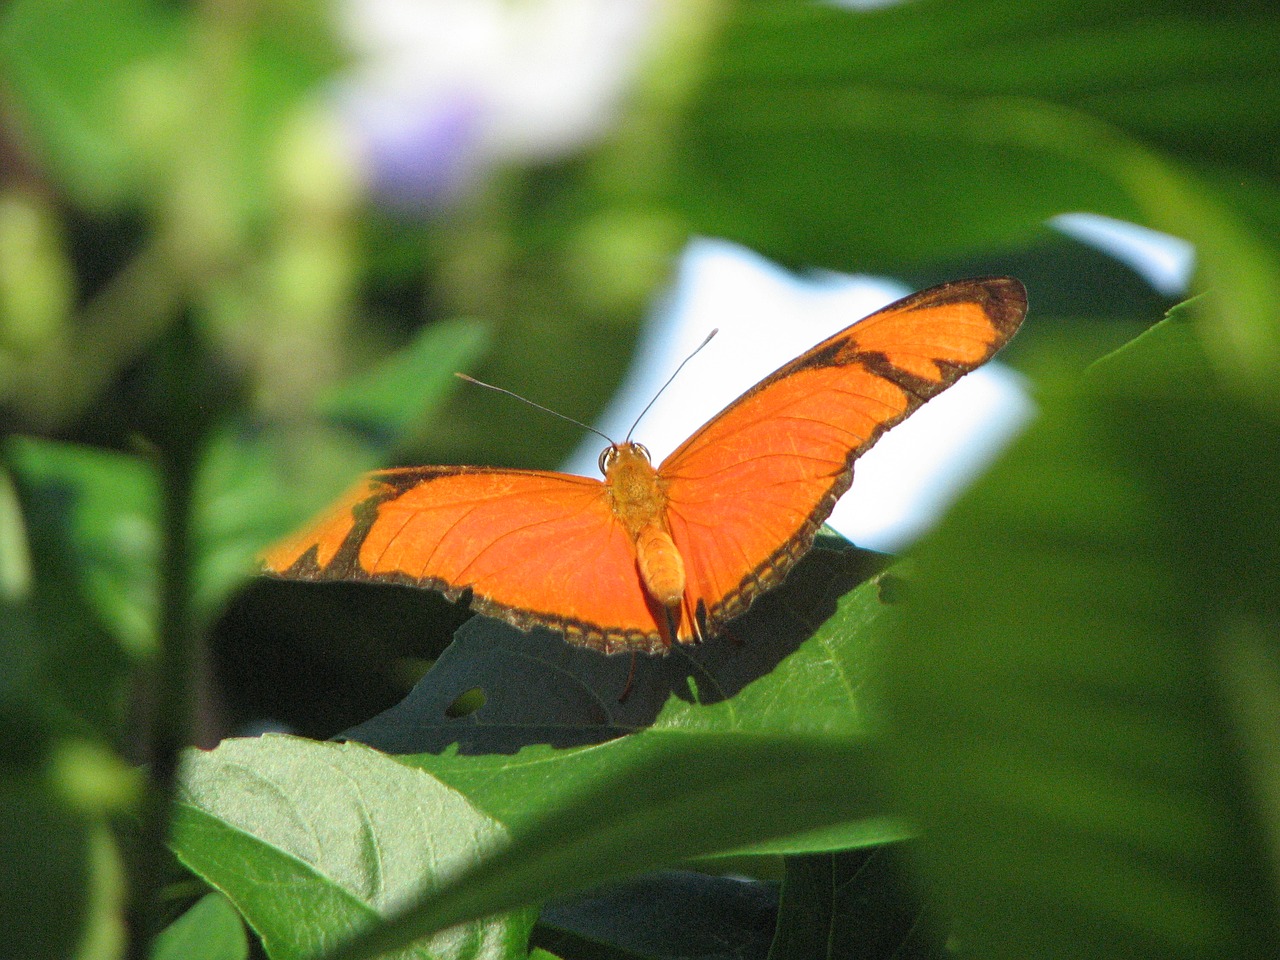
(666, 799)
(312, 842)
(1085, 683)
(793, 670)
(918, 129)
(758, 745)
(773, 756)
(929, 130)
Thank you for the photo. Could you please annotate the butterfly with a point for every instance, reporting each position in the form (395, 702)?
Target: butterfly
(649, 557)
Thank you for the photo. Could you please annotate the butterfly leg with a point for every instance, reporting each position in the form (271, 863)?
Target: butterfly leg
(673, 624)
(699, 621)
(631, 678)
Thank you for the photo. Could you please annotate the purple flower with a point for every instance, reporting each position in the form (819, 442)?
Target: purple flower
(442, 91)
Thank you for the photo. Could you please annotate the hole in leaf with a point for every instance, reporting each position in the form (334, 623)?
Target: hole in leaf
(466, 703)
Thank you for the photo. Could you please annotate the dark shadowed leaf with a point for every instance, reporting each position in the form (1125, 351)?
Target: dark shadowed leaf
(860, 905)
(668, 914)
(536, 688)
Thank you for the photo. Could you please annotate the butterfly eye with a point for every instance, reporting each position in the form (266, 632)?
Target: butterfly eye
(643, 451)
(607, 456)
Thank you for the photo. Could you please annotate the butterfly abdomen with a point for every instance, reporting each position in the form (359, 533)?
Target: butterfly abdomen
(661, 566)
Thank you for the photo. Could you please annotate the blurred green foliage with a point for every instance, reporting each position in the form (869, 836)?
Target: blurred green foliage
(208, 327)
(1090, 665)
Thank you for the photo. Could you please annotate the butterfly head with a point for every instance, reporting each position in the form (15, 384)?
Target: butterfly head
(617, 453)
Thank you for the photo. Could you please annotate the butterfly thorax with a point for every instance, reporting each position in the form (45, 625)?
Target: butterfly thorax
(639, 501)
(635, 491)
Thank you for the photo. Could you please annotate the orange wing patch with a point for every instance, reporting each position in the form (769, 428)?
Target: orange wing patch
(944, 332)
(532, 548)
(740, 501)
(749, 491)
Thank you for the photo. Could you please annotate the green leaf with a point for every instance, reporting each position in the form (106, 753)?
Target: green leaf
(860, 904)
(117, 91)
(734, 746)
(940, 126)
(61, 888)
(932, 130)
(312, 842)
(544, 700)
(670, 798)
(537, 688)
(68, 64)
(398, 394)
(1081, 678)
(725, 755)
(210, 930)
(107, 506)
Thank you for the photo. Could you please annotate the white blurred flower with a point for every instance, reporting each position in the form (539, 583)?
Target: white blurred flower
(440, 91)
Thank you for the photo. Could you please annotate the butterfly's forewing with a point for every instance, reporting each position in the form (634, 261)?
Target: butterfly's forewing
(534, 548)
(748, 491)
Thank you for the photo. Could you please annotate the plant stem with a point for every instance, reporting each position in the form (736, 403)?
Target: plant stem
(171, 690)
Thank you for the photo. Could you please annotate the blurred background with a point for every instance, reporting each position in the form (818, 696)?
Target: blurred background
(267, 232)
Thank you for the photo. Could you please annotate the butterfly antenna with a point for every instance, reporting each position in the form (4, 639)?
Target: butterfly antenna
(695, 352)
(554, 413)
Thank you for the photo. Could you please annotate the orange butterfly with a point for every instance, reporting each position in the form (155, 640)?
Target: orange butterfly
(648, 557)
